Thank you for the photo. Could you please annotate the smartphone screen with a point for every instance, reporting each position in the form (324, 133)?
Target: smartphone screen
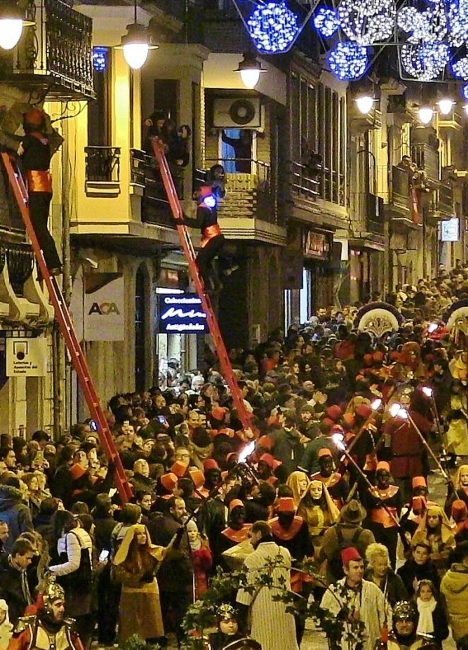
(104, 555)
(162, 419)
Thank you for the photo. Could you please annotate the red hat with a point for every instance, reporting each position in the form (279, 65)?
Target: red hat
(382, 466)
(334, 412)
(169, 481)
(235, 503)
(418, 481)
(285, 504)
(324, 452)
(231, 454)
(179, 468)
(459, 510)
(368, 359)
(265, 441)
(197, 477)
(364, 410)
(329, 422)
(210, 463)
(350, 554)
(378, 356)
(77, 471)
(219, 413)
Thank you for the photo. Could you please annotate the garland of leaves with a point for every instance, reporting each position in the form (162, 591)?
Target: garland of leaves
(202, 615)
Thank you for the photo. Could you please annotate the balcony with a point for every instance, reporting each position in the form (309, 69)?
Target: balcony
(249, 210)
(54, 54)
(426, 158)
(398, 206)
(102, 171)
(441, 204)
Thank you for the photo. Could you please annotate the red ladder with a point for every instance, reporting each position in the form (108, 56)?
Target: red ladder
(187, 245)
(68, 331)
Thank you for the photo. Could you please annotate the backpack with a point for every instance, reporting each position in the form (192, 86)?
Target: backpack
(80, 579)
(334, 563)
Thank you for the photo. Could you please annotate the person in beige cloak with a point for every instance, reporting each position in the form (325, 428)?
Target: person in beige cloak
(134, 566)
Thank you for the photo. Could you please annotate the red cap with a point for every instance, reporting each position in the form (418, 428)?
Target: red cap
(285, 504)
(272, 462)
(324, 452)
(197, 477)
(169, 481)
(418, 481)
(382, 466)
(219, 413)
(364, 410)
(210, 463)
(179, 468)
(349, 554)
(235, 503)
(334, 412)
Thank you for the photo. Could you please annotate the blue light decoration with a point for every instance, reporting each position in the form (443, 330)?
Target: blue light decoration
(100, 58)
(464, 91)
(348, 61)
(460, 68)
(273, 27)
(367, 21)
(424, 62)
(326, 22)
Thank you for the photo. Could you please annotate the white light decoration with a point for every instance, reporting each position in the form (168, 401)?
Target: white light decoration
(445, 106)
(367, 21)
(460, 68)
(10, 32)
(326, 22)
(464, 91)
(250, 69)
(273, 27)
(365, 104)
(425, 114)
(458, 22)
(424, 62)
(428, 26)
(348, 61)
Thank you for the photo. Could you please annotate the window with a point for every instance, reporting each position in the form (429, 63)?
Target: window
(99, 111)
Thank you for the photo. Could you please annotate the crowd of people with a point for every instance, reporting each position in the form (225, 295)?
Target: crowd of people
(348, 435)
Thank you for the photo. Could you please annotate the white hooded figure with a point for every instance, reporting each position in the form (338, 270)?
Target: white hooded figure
(6, 628)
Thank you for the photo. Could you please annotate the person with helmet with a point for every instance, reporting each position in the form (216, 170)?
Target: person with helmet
(403, 635)
(35, 153)
(48, 629)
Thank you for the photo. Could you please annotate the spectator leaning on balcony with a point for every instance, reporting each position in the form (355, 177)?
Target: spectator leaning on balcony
(35, 153)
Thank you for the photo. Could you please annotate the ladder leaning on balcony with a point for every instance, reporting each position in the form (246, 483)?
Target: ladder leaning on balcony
(187, 245)
(68, 332)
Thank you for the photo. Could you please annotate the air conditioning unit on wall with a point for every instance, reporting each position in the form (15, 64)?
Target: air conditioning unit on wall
(238, 113)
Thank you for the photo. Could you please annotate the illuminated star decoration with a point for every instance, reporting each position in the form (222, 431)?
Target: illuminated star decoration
(273, 27)
(348, 61)
(367, 21)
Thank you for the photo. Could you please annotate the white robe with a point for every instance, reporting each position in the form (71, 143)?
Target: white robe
(272, 626)
(374, 610)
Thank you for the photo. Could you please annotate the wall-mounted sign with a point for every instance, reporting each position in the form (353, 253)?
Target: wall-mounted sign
(26, 357)
(181, 314)
(450, 230)
(317, 245)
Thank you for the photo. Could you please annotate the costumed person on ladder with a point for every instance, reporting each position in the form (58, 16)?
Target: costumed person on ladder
(48, 629)
(212, 239)
(35, 152)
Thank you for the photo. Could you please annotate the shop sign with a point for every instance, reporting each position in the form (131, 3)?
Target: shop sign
(182, 313)
(104, 307)
(317, 245)
(26, 357)
(450, 230)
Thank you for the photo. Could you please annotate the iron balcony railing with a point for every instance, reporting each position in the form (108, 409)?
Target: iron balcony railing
(305, 182)
(56, 51)
(102, 164)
